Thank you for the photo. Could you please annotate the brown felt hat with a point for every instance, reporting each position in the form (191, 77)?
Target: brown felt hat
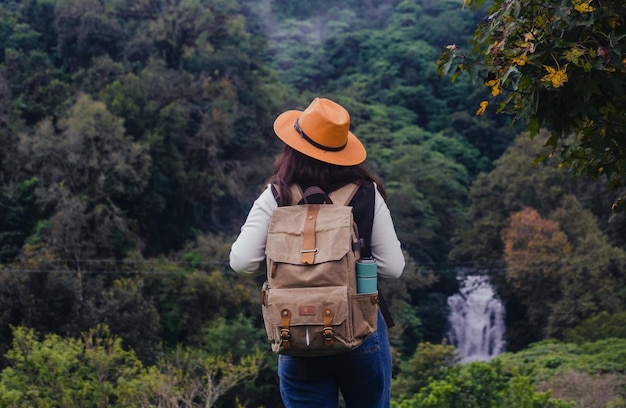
(321, 131)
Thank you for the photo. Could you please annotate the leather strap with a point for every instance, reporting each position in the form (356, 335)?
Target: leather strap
(309, 250)
(327, 333)
(285, 335)
(272, 271)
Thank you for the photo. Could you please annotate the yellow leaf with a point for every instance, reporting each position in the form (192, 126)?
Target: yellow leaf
(574, 53)
(583, 6)
(520, 60)
(482, 109)
(557, 77)
(550, 69)
(495, 86)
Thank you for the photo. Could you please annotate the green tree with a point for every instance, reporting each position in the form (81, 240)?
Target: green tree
(558, 64)
(88, 170)
(58, 372)
(187, 300)
(542, 360)
(416, 176)
(35, 86)
(95, 371)
(480, 385)
(238, 337)
(589, 283)
(407, 302)
(86, 29)
(430, 362)
(601, 326)
(298, 53)
(132, 317)
(39, 290)
(19, 216)
(181, 30)
(513, 184)
(5, 97)
(195, 379)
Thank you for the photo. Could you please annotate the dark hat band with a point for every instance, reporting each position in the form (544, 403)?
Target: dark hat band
(296, 126)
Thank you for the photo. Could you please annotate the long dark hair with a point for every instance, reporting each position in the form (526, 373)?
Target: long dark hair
(293, 167)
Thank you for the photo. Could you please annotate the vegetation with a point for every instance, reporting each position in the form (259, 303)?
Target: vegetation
(480, 385)
(541, 224)
(95, 371)
(134, 137)
(547, 374)
(558, 64)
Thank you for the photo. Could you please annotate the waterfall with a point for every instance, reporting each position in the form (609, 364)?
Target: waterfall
(476, 320)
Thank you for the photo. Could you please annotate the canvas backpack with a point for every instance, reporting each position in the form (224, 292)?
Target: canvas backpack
(309, 300)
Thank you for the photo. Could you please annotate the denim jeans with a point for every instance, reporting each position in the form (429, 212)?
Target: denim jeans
(363, 376)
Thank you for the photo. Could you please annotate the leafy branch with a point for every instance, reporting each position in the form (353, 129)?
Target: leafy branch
(558, 64)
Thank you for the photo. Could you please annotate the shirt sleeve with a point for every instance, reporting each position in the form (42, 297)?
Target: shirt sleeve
(248, 251)
(385, 245)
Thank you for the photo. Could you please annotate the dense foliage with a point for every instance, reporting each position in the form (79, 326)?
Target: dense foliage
(134, 136)
(534, 230)
(95, 371)
(559, 64)
(547, 374)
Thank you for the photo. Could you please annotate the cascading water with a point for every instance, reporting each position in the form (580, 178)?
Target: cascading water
(476, 320)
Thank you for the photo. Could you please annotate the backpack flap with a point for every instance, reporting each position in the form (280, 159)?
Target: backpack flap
(333, 234)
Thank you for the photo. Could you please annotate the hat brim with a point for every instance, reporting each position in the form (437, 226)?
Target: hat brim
(352, 154)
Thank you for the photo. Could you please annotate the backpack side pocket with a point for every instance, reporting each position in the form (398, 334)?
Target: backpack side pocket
(364, 314)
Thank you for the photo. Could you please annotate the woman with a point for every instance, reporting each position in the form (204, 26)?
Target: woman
(321, 151)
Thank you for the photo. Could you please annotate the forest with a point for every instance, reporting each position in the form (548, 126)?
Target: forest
(135, 135)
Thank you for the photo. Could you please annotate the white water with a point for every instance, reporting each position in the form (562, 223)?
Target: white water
(476, 320)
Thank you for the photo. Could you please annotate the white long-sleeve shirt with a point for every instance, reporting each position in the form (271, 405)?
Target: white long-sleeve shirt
(248, 251)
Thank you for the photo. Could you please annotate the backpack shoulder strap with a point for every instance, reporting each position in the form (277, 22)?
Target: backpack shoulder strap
(296, 194)
(363, 208)
(343, 195)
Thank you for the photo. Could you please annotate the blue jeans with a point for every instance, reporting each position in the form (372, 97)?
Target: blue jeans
(363, 376)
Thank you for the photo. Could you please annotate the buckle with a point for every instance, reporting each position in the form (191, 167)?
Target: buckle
(285, 335)
(327, 333)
